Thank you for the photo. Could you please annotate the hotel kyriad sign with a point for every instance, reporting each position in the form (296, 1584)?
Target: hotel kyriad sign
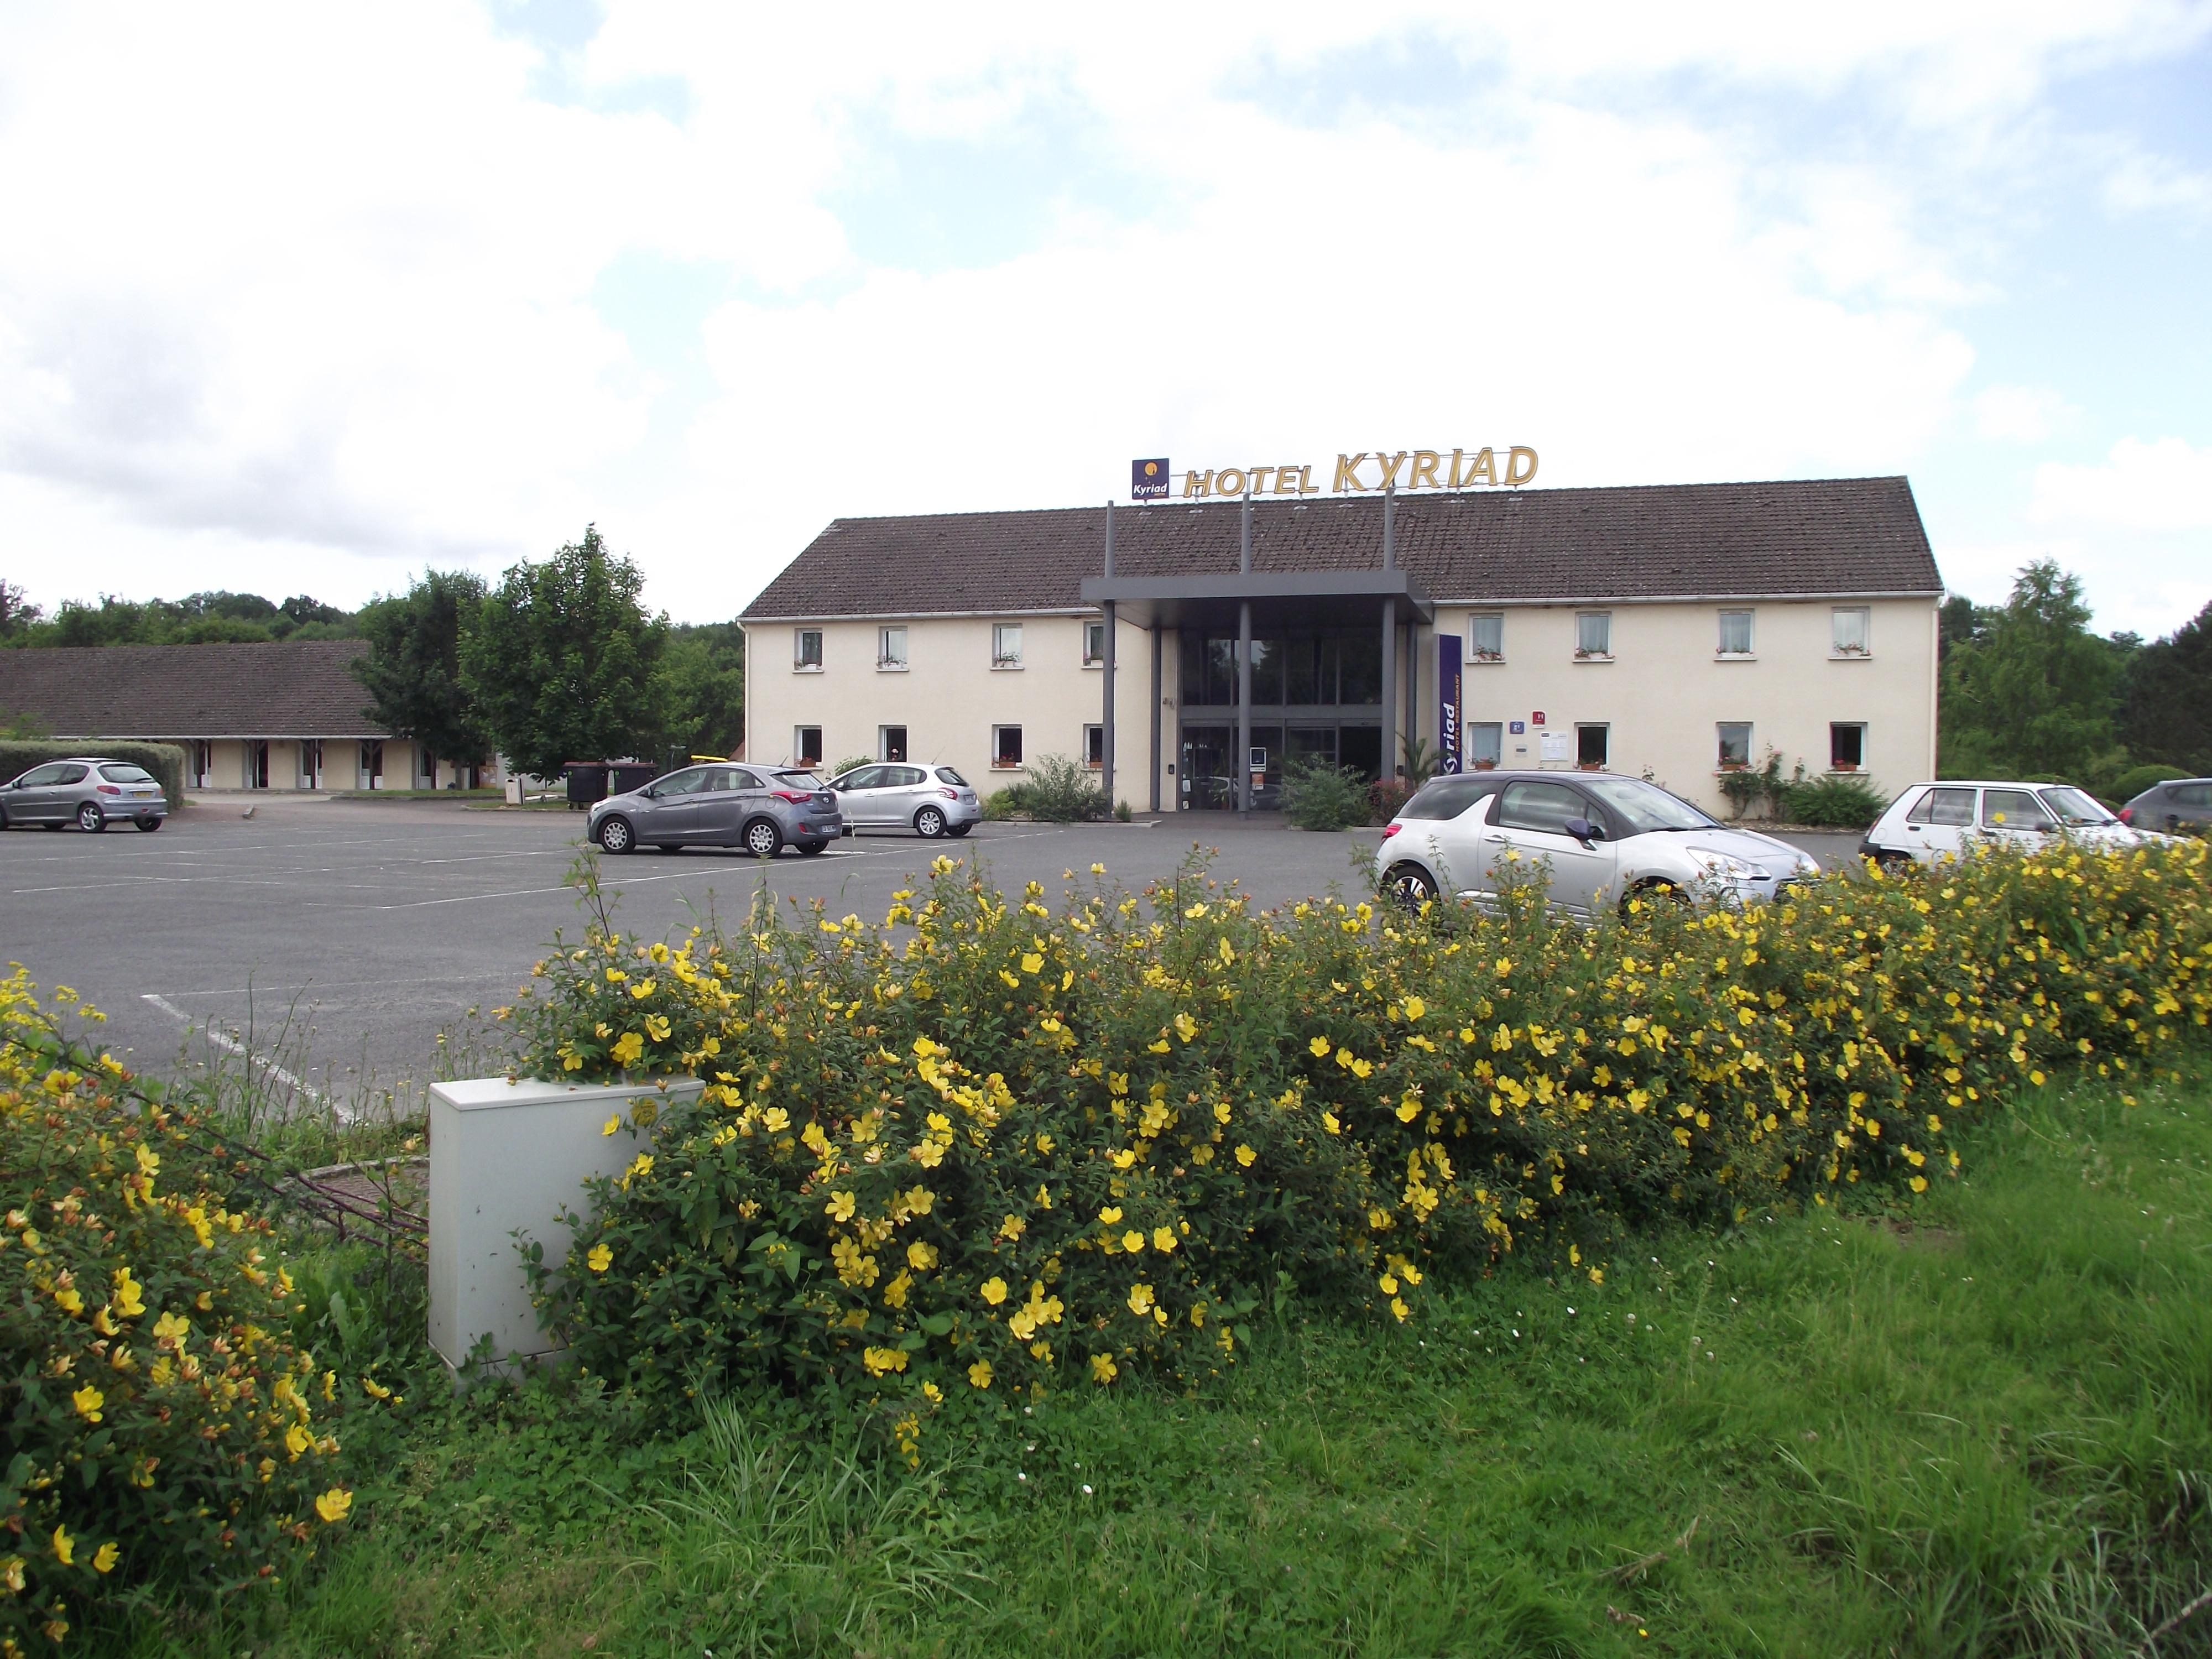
(1149, 479)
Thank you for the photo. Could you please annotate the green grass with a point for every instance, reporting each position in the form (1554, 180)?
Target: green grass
(1983, 1425)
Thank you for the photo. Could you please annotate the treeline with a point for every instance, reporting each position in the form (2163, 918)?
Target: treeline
(217, 617)
(560, 660)
(2030, 691)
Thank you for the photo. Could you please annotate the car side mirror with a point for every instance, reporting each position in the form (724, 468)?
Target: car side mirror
(1584, 831)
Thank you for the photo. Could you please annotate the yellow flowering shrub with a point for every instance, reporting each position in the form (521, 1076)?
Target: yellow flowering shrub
(989, 1143)
(159, 1421)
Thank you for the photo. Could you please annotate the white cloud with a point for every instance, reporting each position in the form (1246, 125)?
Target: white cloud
(2022, 414)
(2164, 485)
(293, 290)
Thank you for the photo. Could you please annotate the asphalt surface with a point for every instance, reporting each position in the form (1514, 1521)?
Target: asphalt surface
(334, 941)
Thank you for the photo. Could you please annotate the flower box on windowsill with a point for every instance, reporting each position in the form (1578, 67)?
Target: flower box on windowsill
(1852, 651)
(1842, 766)
(1589, 766)
(1485, 766)
(887, 666)
(1593, 656)
(1480, 655)
(806, 668)
(1005, 662)
(1734, 766)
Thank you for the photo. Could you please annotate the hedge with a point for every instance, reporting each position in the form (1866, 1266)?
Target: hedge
(164, 760)
(990, 1144)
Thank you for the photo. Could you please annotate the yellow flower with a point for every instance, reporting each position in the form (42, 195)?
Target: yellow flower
(880, 1360)
(334, 1504)
(1228, 954)
(921, 1257)
(1164, 1239)
(1133, 1242)
(933, 1391)
(776, 1119)
(1399, 1308)
(640, 1166)
(1140, 1300)
(598, 1258)
(1246, 1156)
(839, 1206)
(374, 1389)
(1012, 1227)
(1185, 1027)
(88, 1400)
(929, 1154)
(1389, 1285)
(105, 1558)
(1032, 963)
(1415, 1007)
(994, 1291)
(611, 1125)
(628, 1047)
(979, 1374)
(1919, 1183)
(11, 1574)
(126, 1299)
(1110, 1214)
(1102, 1369)
(1408, 1110)
(297, 1440)
(70, 1300)
(64, 1547)
(170, 1331)
(642, 990)
(1329, 1122)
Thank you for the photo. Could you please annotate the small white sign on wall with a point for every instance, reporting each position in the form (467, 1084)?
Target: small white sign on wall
(1555, 749)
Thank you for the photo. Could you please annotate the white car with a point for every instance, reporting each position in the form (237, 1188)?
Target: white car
(1931, 821)
(1606, 838)
(931, 800)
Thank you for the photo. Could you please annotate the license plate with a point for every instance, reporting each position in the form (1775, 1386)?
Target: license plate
(140, 794)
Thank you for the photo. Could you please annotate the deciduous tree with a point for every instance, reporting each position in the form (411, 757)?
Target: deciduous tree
(412, 669)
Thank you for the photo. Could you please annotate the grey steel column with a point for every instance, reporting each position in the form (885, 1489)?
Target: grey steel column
(1413, 678)
(1389, 768)
(1155, 631)
(1243, 759)
(1106, 723)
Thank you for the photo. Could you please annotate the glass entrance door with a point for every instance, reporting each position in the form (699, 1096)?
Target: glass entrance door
(1208, 784)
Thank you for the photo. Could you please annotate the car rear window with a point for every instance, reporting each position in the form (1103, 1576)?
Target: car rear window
(1447, 798)
(952, 776)
(120, 773)
(799, 780)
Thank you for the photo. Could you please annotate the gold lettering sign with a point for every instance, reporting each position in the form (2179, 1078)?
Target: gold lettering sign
(1368, 472)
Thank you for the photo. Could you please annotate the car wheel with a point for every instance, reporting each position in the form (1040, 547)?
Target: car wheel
(1411, 885)
(763, 839)
(811, 848)
(91, 819)
(1652, 895)
(929, 822)
(149, 824)
(617, 836)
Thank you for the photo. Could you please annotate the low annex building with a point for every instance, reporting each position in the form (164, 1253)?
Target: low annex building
(1187, 649)
(279, 716)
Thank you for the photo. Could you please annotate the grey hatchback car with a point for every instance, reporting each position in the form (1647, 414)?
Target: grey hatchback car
(931, 800)
(760, 809)
(2183, 806)
(87, 791)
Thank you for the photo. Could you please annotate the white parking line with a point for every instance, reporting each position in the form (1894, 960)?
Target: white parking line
(231, 1045)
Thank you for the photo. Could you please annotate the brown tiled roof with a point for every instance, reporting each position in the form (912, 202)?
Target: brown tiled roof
(1797, 537)
(291, 688)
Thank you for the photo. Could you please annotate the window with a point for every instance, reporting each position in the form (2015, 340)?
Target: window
(891, 742)
(1447, 798)
(1735, 634)
(947, 775)
(862, 777)
(1846, 747)
(807, 745)
(202, 763)
(372, 764)
(806, 647)
(1094, 747)
(2013, 809)
(1850, 637)
(1544, 807)
(39, 777)
(2191, 794)
(1591, 746)
(1485, 743)
(1005, 747)
(1486, 638)
(1951, 807)
(891, 647)
(1006, 645)
(1593, 634)
(257, 767)
(1736, 745)
(311, 763)
(1094, 644)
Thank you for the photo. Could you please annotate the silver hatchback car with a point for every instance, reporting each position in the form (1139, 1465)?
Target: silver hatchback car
(758, 808)
(88, 791)
(931, 800)
(1606, 838)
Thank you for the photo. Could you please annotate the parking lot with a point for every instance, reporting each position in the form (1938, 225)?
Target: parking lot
(336, 939)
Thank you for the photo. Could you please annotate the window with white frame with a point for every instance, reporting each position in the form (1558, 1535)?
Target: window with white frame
(1485, 637)
(1850, 637)
(1094, 644)
(890, 647)
(1593, 634)
(1846, 747)
(1094, 747)
(1735, 634)
(1006, 645)
(1485, 743)
(807, 745)
(806, 647)
(1006, 748)
(1735, 744)
(891, 742)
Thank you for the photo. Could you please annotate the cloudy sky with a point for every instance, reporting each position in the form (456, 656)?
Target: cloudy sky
(301, 298)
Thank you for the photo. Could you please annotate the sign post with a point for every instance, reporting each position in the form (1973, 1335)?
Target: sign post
(1448, 702)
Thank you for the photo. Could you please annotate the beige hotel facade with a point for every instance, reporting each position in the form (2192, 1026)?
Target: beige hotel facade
(1672, 631)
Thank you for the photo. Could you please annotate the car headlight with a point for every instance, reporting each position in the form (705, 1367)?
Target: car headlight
(1720, 867)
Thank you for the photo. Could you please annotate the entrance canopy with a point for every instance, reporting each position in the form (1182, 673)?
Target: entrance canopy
(1281, 599)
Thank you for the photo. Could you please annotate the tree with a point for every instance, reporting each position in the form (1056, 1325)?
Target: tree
(16, 613)
(2168, 698)
(412, 669)
(701, 693)
(2036, 693)
(561, 659)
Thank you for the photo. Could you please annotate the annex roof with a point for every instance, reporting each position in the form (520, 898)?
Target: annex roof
(1792, 539)
(290, 689)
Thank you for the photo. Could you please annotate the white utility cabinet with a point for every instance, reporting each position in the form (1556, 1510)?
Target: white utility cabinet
(508, 1157)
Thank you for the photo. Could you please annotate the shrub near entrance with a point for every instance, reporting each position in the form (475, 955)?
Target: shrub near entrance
(1026, 1146)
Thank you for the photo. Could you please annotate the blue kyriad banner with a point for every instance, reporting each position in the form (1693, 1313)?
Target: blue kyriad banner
(1448, 702)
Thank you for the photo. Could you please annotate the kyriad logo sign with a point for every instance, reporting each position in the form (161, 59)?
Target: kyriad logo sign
(1148, 480)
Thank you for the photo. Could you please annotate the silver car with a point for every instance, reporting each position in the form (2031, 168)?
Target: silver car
(88, 791)
(931, 800)
(761, 809)
(1605, 839)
